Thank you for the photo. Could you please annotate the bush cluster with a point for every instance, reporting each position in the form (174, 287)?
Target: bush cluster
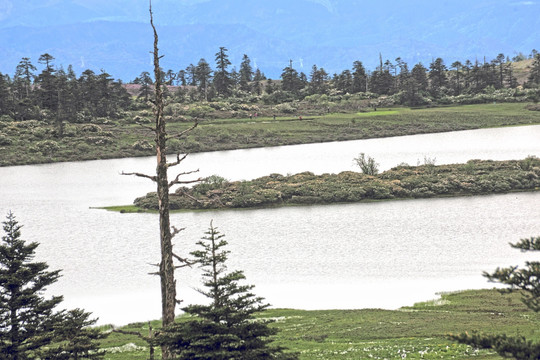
(473, 178)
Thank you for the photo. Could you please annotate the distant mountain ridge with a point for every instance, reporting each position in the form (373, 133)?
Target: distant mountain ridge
(115, 35)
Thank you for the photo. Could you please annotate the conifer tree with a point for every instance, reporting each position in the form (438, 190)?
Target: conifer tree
(534, 75)
(246, 73)
(525, 280)
(437, 77)
(29, 326)
(25, 315)
(222, 78)
(290, 80)
(226, 328)
(360, 79)
(75, 337)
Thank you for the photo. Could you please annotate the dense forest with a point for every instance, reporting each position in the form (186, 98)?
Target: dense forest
(59, 96)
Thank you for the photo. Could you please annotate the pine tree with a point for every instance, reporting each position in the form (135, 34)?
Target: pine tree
(25, 73)
(525, 280)
(202, 76)
(6, 100)
(47, 95)
(146, 86)
(437, 77)
(290, 80)
(222, 78)
(534, 75)
(225, 329)
(360, 79)
(26, 317)
(29, 326)
(246, 73)
(76, 339)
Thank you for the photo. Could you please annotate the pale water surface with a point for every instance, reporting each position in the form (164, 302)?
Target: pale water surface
(385, 254)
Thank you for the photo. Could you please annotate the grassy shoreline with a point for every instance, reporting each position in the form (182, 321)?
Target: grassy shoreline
(34, 142)
(417, 332)
(132, 209)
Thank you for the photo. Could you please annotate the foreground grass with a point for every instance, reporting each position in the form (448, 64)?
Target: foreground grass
(30, 142)
(417, 332)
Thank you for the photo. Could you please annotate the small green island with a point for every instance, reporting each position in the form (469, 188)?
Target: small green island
(476, 177)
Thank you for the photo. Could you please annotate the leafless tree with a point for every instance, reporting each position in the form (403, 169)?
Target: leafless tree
(167, 264)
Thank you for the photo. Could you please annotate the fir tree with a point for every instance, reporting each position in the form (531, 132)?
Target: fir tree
(246, 73)
(29, 326)
(225, 329)
(222, 78)
(76, 339)
(534, 75)
(525, 280)
(26, 317)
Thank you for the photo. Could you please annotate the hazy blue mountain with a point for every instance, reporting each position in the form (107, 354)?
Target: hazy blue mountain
(114, 35)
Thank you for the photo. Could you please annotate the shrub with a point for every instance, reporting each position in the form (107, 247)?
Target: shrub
(97, 140)
(39, 132)
(200, 111)
(70, 130)
(142, 145)
(174, 110)
(4, 140)
(83, 117)
(28, 124)
(286, 108)
(278, 97)
(367, 165)
(529, 162)
(212, 182)
(91, 128)
(174, 146)
(47, 147)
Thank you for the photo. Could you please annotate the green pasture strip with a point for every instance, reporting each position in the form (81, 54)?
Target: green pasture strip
(32, 141)
(415, 332)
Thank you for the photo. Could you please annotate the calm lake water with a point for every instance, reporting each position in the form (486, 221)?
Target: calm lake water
(386, 254)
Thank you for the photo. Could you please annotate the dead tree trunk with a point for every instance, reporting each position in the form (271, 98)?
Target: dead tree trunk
(166, 265)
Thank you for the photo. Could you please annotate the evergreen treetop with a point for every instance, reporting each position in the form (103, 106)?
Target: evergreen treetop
(226, 328)
(25, 315)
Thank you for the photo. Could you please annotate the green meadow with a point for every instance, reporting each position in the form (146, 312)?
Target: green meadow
(32, 141)
(416, 332)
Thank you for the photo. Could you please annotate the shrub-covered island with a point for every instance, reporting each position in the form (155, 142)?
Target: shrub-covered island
(402, 182)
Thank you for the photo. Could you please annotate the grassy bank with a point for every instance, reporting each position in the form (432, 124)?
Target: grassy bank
(32, 141)
(417, 332)
(476, 177)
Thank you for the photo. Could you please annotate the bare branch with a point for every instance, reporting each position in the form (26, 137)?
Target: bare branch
(178, 160)
(190, 197)
(182, 133)
(153, 178)
(147, 127)
(177, 180)
(185, 262)
(176, 231)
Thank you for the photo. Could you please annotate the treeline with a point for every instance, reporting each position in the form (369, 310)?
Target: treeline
(414, 86)
(59, 96)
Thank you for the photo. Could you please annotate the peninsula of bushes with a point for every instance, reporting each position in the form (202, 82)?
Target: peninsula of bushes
(475, 177)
